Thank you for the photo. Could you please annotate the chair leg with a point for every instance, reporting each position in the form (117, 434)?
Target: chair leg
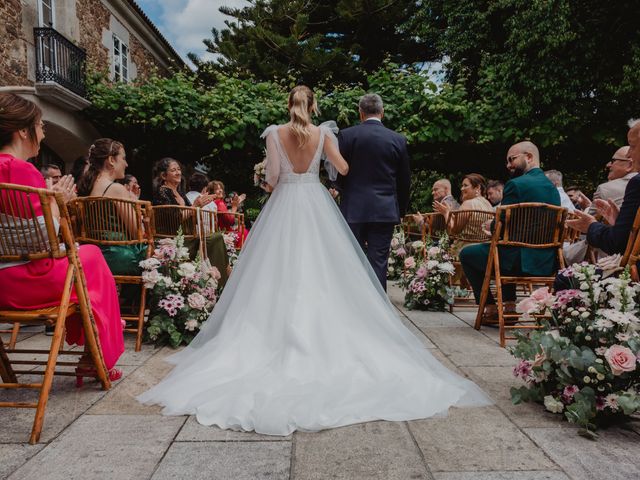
(14, 335)
(499, 301)
(47, 380)
(6, 370)
(143, 297)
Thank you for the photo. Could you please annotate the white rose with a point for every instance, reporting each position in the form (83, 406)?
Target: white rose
(553, 405)
(149, 263)
(186, 269)
(151, 278)
(191, 325)
(197, 301)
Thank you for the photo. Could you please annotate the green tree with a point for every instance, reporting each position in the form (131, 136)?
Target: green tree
(316, 42)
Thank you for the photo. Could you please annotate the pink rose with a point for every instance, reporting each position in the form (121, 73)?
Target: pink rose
(542, 296)
(433, 251)
(401, 252)
(409, 262)
(621, 359)
(528, 305)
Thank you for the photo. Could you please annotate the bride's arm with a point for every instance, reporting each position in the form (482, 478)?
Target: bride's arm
(334, 156)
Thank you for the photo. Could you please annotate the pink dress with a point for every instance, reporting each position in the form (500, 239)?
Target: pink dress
(38, 284)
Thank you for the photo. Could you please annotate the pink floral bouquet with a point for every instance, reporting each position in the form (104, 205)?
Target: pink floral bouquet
(426, 281)
(182, 292)
(259, 173)
(230, 241)
(583, 362)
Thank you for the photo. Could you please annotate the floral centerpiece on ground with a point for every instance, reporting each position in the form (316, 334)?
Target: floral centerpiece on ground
(230, 241)
(583, 362)
(182, 292)
(426, 281)
(397, 254)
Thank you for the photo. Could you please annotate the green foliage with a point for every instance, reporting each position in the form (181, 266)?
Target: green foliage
(315, 42)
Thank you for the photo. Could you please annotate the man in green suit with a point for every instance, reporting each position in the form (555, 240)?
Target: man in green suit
(528, 184)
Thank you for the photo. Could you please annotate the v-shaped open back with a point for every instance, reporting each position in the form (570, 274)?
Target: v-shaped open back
(314, 159)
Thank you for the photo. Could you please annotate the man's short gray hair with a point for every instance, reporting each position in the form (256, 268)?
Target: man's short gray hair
(370, 104)
(555, 177)
(633, 122)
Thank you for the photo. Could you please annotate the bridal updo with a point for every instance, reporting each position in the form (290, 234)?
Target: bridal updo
(302, 103)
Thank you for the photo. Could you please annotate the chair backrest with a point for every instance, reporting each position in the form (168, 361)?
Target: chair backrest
(238, 224)
(112, 221)
(530, 225)
(25, 235)
(632, 242)
(167, 219)
(208, 221)
(467, 225)
(412, 230)
(435, 225)
(570, 234)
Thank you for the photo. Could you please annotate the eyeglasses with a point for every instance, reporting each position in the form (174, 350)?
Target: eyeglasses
(511, 158)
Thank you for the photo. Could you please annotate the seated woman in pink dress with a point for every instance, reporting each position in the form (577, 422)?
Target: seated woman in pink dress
(227, 221)
(38, 284)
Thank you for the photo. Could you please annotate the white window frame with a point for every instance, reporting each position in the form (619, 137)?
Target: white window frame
(120, 60)
(41, 14)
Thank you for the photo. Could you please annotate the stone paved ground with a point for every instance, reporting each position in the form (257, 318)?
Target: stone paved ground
(91, 434)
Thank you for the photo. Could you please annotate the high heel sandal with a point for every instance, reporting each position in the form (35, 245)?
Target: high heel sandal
(81, 372)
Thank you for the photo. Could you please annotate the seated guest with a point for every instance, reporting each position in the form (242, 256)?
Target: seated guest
(555, 177)
(621, 170)
(80, 166)
(472, 194)
(226, 221)
(579, 200)
(528, 184)
(198, 186)
(52, 172)
(494, 192)
(167, 191)
(131, 184)
(21, 131)
(612, 238)
(441, 192)
(107, 163)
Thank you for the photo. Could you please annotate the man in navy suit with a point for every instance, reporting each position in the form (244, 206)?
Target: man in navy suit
(375, 193)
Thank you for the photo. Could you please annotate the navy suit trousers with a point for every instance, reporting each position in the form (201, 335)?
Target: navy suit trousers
(375, 240)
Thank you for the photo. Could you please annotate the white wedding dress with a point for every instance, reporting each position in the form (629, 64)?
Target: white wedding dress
(303, 336)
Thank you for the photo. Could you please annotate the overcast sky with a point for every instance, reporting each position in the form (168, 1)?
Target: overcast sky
(185, 23)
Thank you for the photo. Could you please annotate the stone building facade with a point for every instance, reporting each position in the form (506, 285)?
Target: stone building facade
(48, 46)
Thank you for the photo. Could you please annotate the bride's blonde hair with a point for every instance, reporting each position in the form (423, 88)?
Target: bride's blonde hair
(302, 103)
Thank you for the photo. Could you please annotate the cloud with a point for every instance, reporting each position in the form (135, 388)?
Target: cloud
(186, 23)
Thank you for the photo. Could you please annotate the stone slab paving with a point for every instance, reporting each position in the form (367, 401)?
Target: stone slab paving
(91, 434)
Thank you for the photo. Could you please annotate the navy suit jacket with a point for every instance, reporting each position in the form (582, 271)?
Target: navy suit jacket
(613, 238)
(376, 189)
(533, 186)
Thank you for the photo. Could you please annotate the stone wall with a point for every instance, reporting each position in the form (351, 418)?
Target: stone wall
(13, 48)
(145, 62)
(94, 19)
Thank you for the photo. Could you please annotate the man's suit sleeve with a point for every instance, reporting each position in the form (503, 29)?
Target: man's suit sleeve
(613, 238)
(403, 179)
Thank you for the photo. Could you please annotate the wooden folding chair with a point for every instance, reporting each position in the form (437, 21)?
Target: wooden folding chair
(26, 237)
(524, 225)
(107, 221)
(466, 227)
(435, 225)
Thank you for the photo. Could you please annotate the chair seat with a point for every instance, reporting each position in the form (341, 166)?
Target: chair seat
(39, 316)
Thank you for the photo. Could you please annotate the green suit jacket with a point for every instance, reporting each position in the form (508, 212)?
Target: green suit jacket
(533, 186)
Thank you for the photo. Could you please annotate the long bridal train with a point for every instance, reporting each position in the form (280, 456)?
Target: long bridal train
(303, 336)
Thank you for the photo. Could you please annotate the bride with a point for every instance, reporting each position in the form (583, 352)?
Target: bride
(303, 336)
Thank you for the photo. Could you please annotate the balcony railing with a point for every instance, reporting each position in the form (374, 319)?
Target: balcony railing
(60, 61)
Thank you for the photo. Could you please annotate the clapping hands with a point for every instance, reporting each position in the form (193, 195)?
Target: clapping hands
(441, 208)
(582, 221)
(66, 186)
(608, 209)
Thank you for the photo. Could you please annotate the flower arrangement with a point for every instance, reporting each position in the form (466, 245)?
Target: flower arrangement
(260, 173)
(182, 292)
(230, 241)
(583, 362)
(397, 253)
(426, 281)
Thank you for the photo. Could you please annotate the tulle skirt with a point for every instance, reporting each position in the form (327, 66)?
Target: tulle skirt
(304, 337)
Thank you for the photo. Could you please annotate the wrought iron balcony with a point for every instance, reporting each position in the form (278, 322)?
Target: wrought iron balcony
(60, 61)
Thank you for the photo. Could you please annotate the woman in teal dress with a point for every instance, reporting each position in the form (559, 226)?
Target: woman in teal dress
(107, 163)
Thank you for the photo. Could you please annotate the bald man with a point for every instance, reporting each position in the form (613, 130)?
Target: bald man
(441, 192)
(528, 184)
(621, 170)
